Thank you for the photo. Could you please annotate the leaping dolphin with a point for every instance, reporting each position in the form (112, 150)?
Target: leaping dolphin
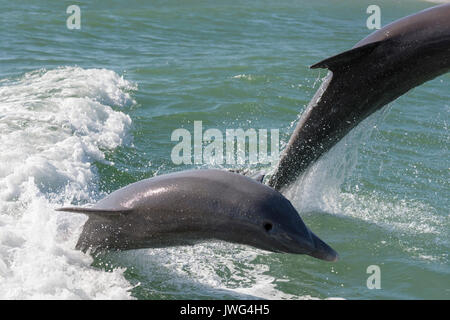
(189, 206)
(376, 71)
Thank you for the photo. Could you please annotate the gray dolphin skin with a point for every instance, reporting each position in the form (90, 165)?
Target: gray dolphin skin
(377, 70)
(190, 206)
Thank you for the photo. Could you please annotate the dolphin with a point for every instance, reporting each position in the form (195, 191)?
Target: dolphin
(191, 206)
(196, 205)
(376, 71)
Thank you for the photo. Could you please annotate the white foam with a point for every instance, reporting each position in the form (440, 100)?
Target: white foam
(243, 76)
(215, 269)
(321, 184)
(53, 125)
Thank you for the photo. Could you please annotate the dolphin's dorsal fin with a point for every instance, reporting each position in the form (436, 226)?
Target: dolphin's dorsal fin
(258, 177)
(104, 213)
(346, 58)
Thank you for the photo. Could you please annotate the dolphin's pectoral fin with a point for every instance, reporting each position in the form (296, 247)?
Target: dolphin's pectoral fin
(346, 58)
(104, 213)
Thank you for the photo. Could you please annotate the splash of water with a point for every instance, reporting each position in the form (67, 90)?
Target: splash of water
(54, 125)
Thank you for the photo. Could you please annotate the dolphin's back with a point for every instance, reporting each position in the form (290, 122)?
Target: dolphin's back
(175, 209)
(213, 184)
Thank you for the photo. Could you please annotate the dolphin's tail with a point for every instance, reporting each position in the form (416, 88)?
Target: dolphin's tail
(379, 69)
(328, 118)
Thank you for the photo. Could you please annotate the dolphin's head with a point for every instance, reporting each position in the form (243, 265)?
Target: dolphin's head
(275, 225)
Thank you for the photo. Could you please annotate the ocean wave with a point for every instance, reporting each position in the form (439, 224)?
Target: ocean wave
(54, 124)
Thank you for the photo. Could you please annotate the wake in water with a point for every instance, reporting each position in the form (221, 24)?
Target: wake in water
(54, 124)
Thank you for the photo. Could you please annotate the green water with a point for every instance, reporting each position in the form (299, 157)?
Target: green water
(381, 197)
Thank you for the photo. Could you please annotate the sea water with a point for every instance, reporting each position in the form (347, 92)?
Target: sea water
(86, 111)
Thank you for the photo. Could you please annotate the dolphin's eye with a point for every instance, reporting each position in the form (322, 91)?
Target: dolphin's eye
(267, 226)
